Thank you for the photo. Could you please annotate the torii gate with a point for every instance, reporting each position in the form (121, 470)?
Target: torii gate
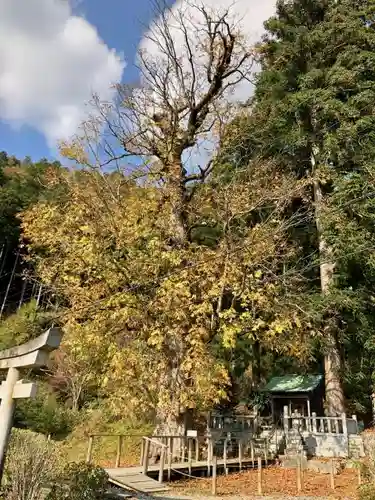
(32, 354)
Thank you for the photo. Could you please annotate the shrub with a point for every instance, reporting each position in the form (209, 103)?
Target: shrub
(80, 481)
(30, 466)
(366, 492)
(367, 467)
(45, 414)
(25, 324)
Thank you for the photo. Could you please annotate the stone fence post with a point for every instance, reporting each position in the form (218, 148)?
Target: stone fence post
(344, 424)
(314, 426)
(286, 419)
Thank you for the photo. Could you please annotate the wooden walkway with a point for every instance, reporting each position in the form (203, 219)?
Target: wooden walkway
(134, 478)
(135, 481)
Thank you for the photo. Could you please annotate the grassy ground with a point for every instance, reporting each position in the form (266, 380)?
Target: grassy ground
(105, 447)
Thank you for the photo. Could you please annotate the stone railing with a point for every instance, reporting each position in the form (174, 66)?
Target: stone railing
(322, 424)
(323, 436)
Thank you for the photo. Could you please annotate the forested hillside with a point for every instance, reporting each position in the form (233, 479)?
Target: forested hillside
(22, 183)
(182, 287)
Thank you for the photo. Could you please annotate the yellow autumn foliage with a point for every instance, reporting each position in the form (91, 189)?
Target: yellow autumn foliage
(154, 320)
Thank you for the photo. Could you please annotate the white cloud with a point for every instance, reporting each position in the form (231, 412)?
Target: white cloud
(51, 62)
(250, 14)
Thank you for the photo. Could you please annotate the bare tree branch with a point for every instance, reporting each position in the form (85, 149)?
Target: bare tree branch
(192, 58)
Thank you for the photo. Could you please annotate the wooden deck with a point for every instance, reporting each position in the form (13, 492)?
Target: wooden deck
(134, 478)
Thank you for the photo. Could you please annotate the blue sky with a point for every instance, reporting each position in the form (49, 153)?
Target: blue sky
(120, 24)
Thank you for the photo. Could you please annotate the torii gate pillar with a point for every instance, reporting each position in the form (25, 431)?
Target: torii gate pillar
(30, 355)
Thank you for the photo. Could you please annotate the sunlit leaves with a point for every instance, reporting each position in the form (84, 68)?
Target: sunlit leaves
(152, 321)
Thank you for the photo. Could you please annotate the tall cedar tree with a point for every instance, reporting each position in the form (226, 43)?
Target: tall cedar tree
(313, 111)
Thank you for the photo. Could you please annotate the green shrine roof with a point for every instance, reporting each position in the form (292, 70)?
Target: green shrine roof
(293, 383)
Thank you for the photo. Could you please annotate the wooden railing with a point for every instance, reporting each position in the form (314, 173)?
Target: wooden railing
(187, 446)
(145, 455)
(180, 449)
(169, 450)
(120, 438)
(202, 449)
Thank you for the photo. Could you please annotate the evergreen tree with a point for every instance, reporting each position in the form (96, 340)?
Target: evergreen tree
(313, 113)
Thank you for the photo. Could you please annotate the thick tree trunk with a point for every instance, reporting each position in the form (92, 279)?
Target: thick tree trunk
(179, 201)
(172, 418)
(335, 404)
(168, 422)
(171, 425)
(373, 407)
(256, 363)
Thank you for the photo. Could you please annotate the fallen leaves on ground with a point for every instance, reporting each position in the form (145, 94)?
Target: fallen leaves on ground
(276, 481)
